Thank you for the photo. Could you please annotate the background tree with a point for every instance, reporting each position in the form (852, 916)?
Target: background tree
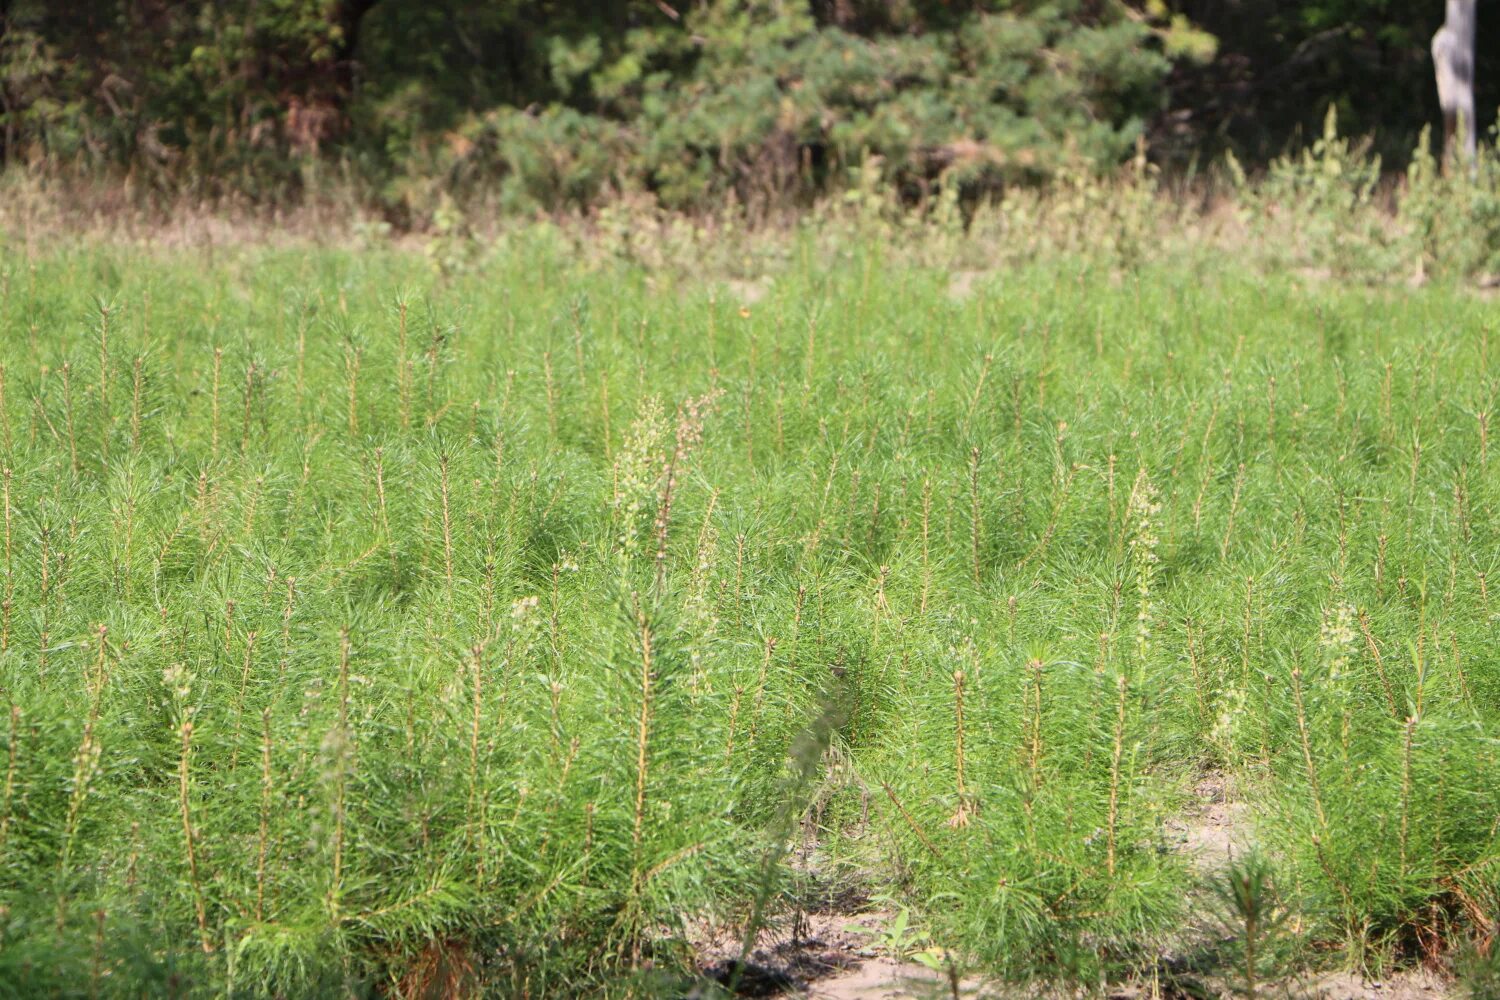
(554, 102)
(1280, 65)
(1453, 61)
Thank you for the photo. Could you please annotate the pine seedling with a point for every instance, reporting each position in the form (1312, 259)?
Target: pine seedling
(189, 836)
(9, 600)
(1140, 516)
(96, 963)
(1251, 912)
(1336, 645)
(263, 833)
(5, 440)
(551, 394)
(636, 474)
(403, 364)
(768, 652)
(1033, 715)
(926, 548)
(107, 416)
(137, 385)
(1484, 438)
(734, 717)
(8, 795)
(1234, 506)
(447, 525)
(67, 381)
(286, 624)
(45, 639)
(1122, 687)
(353, 356)
(252, 381)
(976, 524)
(1305, 741)
(338, 749)
(689, 432)
(214, 404)
(1063, 492)
(1408, 733)
(239, 697)
(967, 804)
(1271, 413)
(476, 664)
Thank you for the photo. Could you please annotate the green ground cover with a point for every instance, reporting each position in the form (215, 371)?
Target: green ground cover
(365, 630)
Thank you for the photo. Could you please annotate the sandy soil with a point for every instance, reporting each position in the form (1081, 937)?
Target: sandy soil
(833, 950)
(832, 956)
(1215, 829)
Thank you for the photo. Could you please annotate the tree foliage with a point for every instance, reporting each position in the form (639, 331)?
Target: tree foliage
(556, 102)
(1281, 65)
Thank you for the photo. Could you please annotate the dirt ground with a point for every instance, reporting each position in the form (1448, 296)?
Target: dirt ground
(834, 951)
(834, 955)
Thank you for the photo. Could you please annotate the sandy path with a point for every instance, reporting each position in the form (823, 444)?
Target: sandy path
(833, 952)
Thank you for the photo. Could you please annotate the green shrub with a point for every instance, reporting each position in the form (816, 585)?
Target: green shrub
(560, 104)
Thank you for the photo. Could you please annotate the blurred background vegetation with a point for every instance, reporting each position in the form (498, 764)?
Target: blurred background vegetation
(561, 103)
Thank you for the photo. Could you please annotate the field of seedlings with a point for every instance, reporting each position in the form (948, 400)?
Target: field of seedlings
(532, 627)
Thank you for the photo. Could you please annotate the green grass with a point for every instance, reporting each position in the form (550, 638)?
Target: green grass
(362, 629)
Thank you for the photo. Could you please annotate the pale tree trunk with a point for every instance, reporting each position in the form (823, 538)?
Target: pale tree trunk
(1453, 59)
